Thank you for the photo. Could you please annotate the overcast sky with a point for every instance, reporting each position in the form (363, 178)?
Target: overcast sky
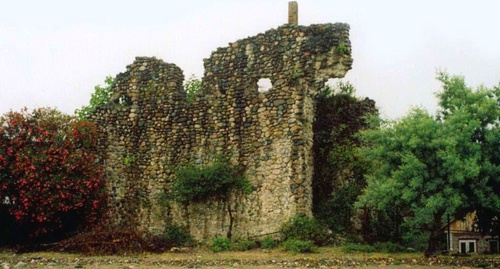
(53, 53)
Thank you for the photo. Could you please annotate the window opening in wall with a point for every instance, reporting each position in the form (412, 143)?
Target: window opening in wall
(467, 246)
(494, 247)
(264, 84)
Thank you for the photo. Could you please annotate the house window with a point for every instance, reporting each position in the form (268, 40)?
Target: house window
(494, 246)
(467, 246)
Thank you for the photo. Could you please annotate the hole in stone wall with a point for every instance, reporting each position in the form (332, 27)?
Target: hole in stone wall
(264, 84)
(124, 101)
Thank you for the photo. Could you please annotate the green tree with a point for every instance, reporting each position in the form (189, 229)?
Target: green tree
(427, 166)
(101, 96)
(460, 103)
(338, 172)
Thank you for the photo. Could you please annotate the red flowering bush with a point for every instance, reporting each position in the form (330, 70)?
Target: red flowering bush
(49, 172)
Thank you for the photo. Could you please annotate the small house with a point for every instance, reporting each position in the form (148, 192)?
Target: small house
(463, 237)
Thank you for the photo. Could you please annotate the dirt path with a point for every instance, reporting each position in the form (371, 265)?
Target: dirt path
(326, 258)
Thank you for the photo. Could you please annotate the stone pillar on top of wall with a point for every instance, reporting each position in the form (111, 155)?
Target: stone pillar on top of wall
(293, 13)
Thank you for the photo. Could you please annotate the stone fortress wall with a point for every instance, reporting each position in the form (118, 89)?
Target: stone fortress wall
(148, 129)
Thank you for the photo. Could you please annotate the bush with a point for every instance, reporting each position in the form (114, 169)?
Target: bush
(172, 236)
(415, 239)
(350, 248)
(50, 179)
(176, 236)
(269, 243)
(299, 246)
(221, 244)
(305, 229)
(244, 245)
(389, 247)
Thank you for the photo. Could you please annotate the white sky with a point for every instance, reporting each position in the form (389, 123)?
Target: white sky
(53, 53)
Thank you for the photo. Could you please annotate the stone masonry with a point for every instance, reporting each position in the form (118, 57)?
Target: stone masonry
(148, 129)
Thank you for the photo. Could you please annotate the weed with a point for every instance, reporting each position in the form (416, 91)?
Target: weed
(244, 245)
(269, 243)
(350, 248)
(299, 246)
(220, 244)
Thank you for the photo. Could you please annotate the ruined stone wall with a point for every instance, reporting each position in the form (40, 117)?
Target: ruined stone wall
(148, 129)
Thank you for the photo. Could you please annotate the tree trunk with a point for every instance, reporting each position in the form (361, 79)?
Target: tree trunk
(229, 210)
(434, 236)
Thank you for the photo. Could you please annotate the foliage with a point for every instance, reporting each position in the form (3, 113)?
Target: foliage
(480, 110)
(381, 225)
(244, 245)
(342, 48)
(49, 175)
(175, 235)
(415, 239)
(429, 165)
(101, 96)
(221, 244)
(299, 246)
(338, 170)
(192, 86)
(351, 248)
(269, 243)
(388, 247)
(128, 161)
(196, 183)
(305, 228)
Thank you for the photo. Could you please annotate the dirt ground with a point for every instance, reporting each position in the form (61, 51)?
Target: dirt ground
(326, 258)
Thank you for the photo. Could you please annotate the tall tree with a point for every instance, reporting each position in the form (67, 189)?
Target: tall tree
(460, 104)
(432, 165)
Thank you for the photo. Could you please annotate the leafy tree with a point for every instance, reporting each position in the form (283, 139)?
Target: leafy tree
(101, 96)
(429, 165)
(338, 172)
(49, 176)
(482, 106)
